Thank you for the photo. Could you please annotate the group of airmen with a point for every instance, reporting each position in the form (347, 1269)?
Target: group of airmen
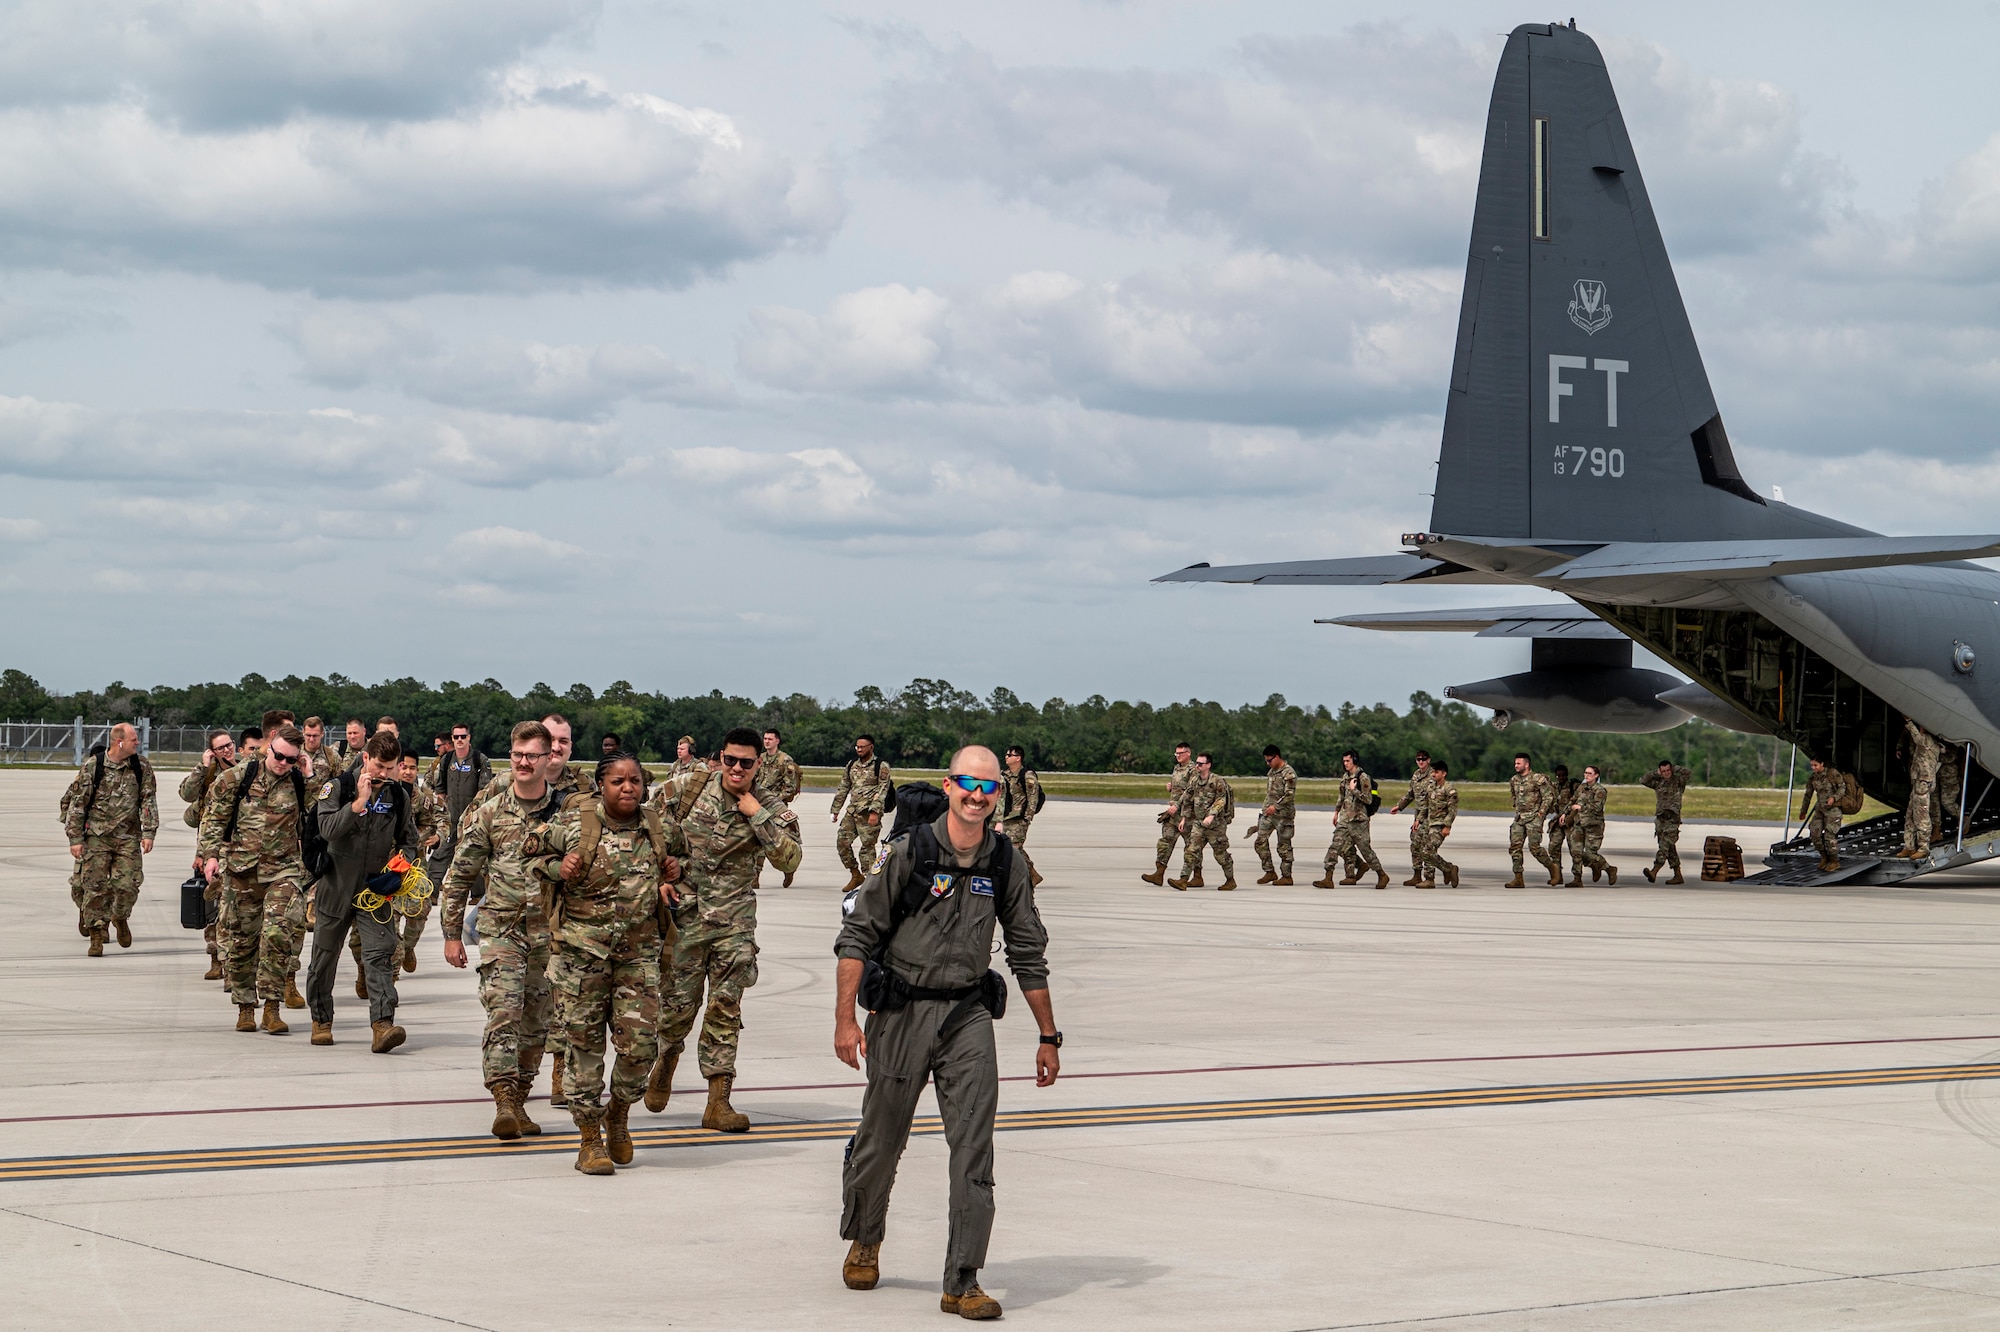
(1568, 811)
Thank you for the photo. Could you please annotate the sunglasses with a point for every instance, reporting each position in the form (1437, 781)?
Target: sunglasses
(280, 756)
(738, 761)
(976, 785)
(461, 736)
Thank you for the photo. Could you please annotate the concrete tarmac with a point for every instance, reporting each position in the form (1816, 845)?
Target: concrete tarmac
(1281, 1108)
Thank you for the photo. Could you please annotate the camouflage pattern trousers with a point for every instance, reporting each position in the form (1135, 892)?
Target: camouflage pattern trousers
(1017, 833)
(1170, 833)
(514, 988)
(1418, 869)
(1824, 828)
(1428, 850)
(724, 958)
(1351, 843)
(1281, 825)
(1586, 848)
(254, 935)
(105, 883)
(1667, 838)
(1917, 817)
(854, 823)
(1215, 838)
(594, 995)
(1526, 830)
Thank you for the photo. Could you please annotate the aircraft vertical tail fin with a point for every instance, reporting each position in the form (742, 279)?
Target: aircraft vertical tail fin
(1579, 407)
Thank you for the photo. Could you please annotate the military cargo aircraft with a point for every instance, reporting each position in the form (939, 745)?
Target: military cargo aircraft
(1583, 454)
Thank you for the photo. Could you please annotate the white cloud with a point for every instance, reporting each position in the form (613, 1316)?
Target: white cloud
(874, 340)
(549, 182)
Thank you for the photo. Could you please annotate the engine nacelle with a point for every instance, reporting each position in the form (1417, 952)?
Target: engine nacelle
(1619, 699)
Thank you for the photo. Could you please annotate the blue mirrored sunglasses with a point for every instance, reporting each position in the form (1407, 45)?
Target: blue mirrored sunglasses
(983, 785)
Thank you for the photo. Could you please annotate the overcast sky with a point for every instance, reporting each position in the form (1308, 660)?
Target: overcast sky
(773, 347)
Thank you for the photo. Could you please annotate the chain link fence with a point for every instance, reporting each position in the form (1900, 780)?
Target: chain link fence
(68, 742)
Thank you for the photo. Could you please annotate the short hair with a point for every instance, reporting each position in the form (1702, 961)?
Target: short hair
(290, 735)
(352, 721)
(313, 721)
(1424, 754)
(275, 718)
(1205, 757)
(387, 721)
(407, 756)
(224, 733)
(555, 717)
(249, 733)
(1563, 768)
(1016, 749)
(687, 740)
(617, 742)
(531, 730)
(463, 726)
(741, 735)
(1182, 744)
(1666, 763)
(1350, 754)
(1523, 754)
(864, 736)
(1272, 751)
(442, 735)
(772, 730)
(1439, 765)
(384, 746)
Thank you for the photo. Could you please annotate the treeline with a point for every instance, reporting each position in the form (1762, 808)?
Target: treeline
(921, 724)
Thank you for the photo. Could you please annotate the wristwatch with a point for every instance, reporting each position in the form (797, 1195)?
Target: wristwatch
(1055, 1040)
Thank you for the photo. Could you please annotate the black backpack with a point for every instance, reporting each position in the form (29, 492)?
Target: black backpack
(889, 791)
(313, 846)
(1374, 798)
(1041, 796)
(882, 990)
(919, 805)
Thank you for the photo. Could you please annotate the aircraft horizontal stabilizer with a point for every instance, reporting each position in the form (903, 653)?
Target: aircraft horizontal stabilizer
(1769, 558)
(1363, 571)
(1555, 620)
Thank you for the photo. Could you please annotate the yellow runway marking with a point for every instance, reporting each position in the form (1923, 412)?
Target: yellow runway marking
(1183, 1112)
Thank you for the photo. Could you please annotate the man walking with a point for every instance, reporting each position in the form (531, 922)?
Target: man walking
(1532, 798)
(1280, 812)
(513, 928)
(111, 816)
(366, 818)
(858, 805)
(1415, 800)
(1669, 782)
(728, 832)
(1440, 812)
(250, 838)
(218, 758)
(1562, 788)
(779, 779)
(1924, 752)
(1586, 830)
(926, 916)
(1021, 800)
(1819, 813)
(1171, 819)
(1351, 840)
(1210, 802)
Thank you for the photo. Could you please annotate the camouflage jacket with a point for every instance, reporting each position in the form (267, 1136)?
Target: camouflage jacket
(863, 784)
(1589, 802)
(326, 762)
(194, 789)
(1924, 752)
(433, 816)
(491, 840)
(1825, 790)
(571, 781)
(1532, 793)
(1210, 795)
(127, 803)
(1177, 789)
(779, 775)
(1281, 789)
(724, 850)
(1020, 792)
(1418, 797)
(1440, 808)
(1564, 795)
(614, 901)
(1351, 805)
(266, 843)
(692, 763)
(1668, 791)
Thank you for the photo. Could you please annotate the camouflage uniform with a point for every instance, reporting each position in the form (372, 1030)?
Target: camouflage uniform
(1170, 818)
(692, 763)
(1205, 797)
(1350, 827)
(862, 786)
(1558, 820)
(1923, 781)
(1819, 811)
(716, 922)
(604, 964)
(1586, 830)
(513, 930)
(1667, 794)
(1533, 796)
(779, 775)
(1950, 774)
(125, 814)
(193, 790)
(1440, 811)
(1021, 792)
(1281, 792)
(263, 877)
(1417, 800)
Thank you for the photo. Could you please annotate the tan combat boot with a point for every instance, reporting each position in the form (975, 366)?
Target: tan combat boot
(246, 1017)
(82, 925)
(293, 999)
(590, 1157)
(1228, 885)
(1350, 879)
(617, 1136)
(975, 1304)
(1610, 875)
(1677, 877)
(322, 1033)
(1576, 879)
(529, 1128)
(1652, 875)
(214, 971)
(124, 932)
(360, 985)
(1196, 882)
(274, 1023)
(1157, 878)
(788, 881)
(1450, 877)
(854, 878)
(387, 1036)
(1282, 881)
(96, 948)
(1555, 876)
(556, 1097)
(1414, 881)
(720, 1114)
(1268, 876)
(862, 1267)
(1034, 877)
(506, 1126)
(1180, 883)
(1381, 879)
(660, 1083)
(1516, 882)
(409, 962)
(1595, 873)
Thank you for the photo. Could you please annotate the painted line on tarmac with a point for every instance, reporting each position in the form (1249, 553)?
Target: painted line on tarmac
(1185, 1112)
(1067, 1077)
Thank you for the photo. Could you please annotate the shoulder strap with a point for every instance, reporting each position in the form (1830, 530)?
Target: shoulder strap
(244, 776)
(592, 829)
(655, 834)
(878, 767)
(689, 794)
(96, 778)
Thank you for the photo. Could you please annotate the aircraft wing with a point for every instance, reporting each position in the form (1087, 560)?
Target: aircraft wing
(1362, 571)
(1768, 558)
(1550, 620)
